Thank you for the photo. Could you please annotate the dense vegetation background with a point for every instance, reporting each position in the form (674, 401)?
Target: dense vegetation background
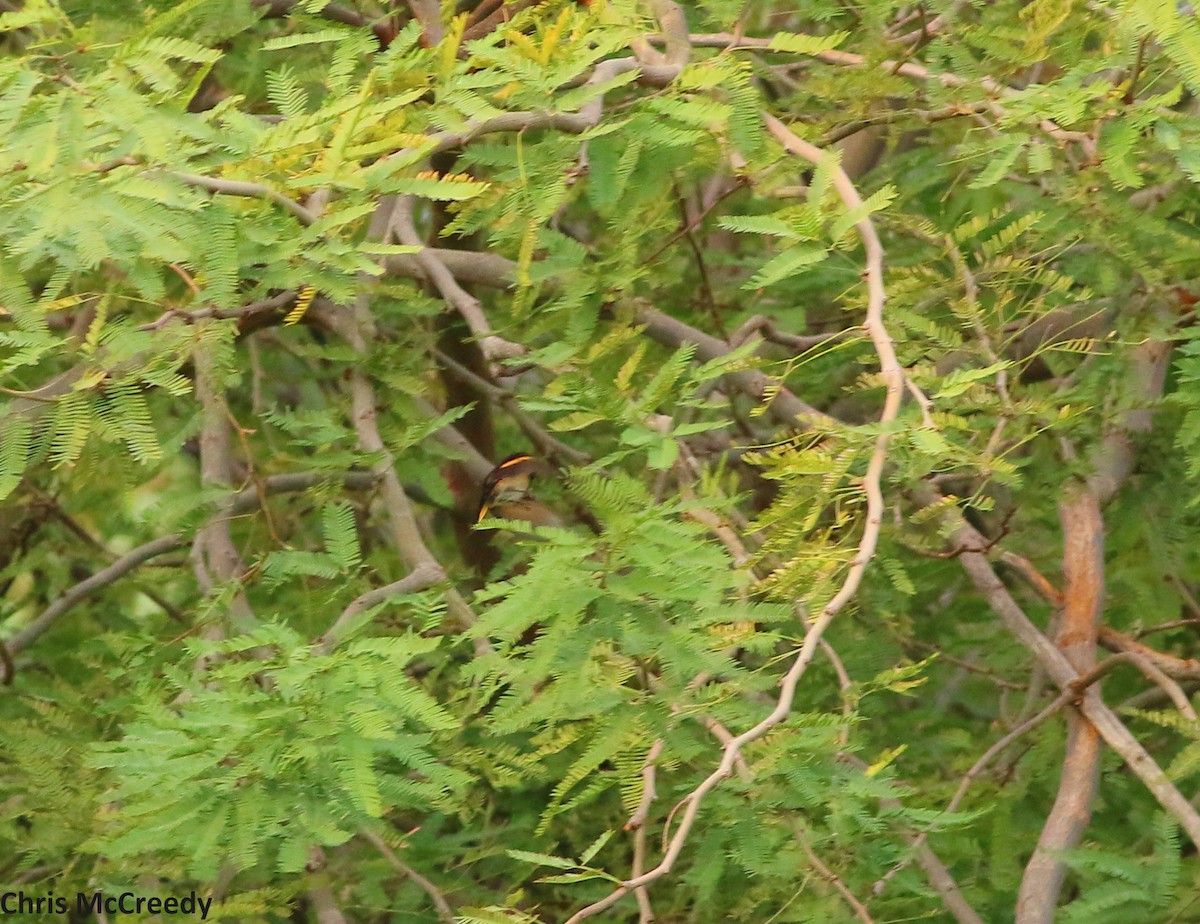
(860, 337)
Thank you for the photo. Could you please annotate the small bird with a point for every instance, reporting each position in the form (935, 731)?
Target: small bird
(507, 492)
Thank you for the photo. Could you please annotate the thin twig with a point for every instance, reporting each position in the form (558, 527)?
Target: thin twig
(248, 190)
(1111, 728)
(444, 912)
(231, 505)
(418, 579)
(252, 309)
(464, 302)
(976, 769)
(939, 876)
(1166, 627)
(1159, 667)
(860, 910)
(724, 735)
(893, 375)
(325, 907)
(331, 11)
(494, 270)
(1188, 597)
(1039, 582)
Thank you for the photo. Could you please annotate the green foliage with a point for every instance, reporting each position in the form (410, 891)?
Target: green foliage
(209, 331)
(255, 762)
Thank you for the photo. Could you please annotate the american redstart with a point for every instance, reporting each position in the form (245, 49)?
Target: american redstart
(507, 492)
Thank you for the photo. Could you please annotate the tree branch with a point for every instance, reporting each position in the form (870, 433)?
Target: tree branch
(239, 502)
(730, 42)
(1159, 668)
(939, 877)
(248, 190)
(464, 302)
(444, 912)
(549, 445)
(977, 768)
(329, 11)
(85, 588)
(859, 909)
(429, 14)
(358, 328)
(418, 579)
(1083, 569)
(965, 539)
(215, 559)
(500, 272)
(893, 375)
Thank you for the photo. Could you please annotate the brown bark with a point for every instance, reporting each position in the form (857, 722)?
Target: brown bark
(1083, 568)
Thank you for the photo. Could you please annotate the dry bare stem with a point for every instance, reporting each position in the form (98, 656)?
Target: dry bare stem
(645, 909)
(500, 272)
(642, 812)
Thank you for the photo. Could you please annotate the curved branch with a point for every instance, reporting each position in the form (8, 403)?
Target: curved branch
(967, 540)
(444, 912)
(893, 375)
(466, 304)
(239, 502)
(248, 190)
(421, 577)
(84, 589)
